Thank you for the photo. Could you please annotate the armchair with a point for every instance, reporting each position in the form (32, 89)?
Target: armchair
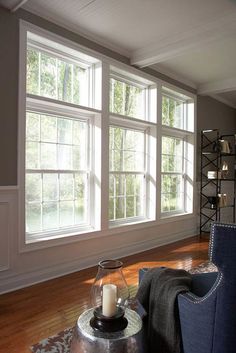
(208, 314)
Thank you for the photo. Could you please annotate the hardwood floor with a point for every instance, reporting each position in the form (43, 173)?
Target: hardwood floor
(31, 314)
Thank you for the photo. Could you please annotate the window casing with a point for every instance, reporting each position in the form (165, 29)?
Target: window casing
(177, 154)
(64, 181)
(59, 140)
(130, 150)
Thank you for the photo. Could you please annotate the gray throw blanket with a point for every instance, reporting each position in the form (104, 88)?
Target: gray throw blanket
(157, 293)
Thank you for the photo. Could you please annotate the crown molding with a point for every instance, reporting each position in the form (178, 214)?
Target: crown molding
(79, 31)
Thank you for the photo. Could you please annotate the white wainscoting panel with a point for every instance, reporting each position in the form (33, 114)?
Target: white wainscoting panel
(4, 236)
(20, 269)
(7, 221)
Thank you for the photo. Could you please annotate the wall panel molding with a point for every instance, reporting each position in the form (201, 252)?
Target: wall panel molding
(7, 221)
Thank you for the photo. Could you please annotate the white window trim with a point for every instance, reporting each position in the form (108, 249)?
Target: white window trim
(185, 135)
(103, 125)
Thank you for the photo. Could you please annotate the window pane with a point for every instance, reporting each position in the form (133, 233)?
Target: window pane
(32, 79)
(33, 183)
(66, 213)
(172, 149)
(48, 79)
(33, 217)
(59, 79)
(48, 156)
(32, 155)
(64, 131)
(32, 127)
(172, 193)
(50, 215)
(126, 99)
(126, 149)
(126, 198)
(50, 187)
(64, 81)
(80, 198)
(48, 128)
(56, 144)
(64, 157)
(172, 112)
(66, 187)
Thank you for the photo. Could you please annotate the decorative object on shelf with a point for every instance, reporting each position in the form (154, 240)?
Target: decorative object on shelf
(224, 146)
(213, 174)
(222, 200)
(213, 200)
(109, 297)
(224, 170)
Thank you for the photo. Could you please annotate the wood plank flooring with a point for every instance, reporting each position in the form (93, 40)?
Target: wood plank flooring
(31, 314)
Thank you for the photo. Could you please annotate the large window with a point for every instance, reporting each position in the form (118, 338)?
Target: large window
(177, 153)
(57, 167)
(59, 173)
(101, 144)
(127, 173)
(130, 149)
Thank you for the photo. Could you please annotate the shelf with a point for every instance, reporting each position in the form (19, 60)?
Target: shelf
(221, 154)
(216, 208)
(212, 158)
(209, 180)
(208, 153)
(208, 131)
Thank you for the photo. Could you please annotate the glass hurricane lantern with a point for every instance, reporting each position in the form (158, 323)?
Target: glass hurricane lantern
(109, 297)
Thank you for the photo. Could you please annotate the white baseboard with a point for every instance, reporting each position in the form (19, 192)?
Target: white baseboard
(17, 281)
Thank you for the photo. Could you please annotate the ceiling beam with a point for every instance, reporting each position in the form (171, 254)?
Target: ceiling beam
(180, 43)
(215, 87)
(19, 4)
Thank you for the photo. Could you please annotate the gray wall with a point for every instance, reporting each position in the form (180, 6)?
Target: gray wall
(212, 114)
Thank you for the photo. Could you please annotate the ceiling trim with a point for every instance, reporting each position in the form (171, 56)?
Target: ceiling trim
(218, 86)
(180, 43)
(223, 100)
(80, 31)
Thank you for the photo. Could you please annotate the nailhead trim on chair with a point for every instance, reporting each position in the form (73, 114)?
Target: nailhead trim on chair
(211, 247)
(225, 225)
(196, 298)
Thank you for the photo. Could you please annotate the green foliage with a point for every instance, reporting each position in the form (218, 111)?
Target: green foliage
(55, 78)
(125, 99)
(55, 199)
(172, 112)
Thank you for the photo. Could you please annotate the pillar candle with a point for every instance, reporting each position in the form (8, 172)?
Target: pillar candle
(109, 299)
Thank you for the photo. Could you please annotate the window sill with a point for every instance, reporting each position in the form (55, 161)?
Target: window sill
(91, 233)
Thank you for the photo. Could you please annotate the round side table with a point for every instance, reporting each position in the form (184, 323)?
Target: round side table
(87, 340)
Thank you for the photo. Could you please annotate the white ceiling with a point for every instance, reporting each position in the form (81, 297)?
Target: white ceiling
(193, 41)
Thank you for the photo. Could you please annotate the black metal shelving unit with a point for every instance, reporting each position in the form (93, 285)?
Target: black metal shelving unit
(211, 160)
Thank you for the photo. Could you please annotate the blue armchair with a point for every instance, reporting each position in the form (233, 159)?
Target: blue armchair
(208, 313)
(208, 317)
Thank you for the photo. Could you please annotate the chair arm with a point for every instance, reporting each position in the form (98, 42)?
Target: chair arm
(203, 282)
(197, 313)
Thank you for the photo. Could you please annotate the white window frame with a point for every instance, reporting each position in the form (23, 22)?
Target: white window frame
(186, 136)
(55, 107)
(149, 129)
(101, 119)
